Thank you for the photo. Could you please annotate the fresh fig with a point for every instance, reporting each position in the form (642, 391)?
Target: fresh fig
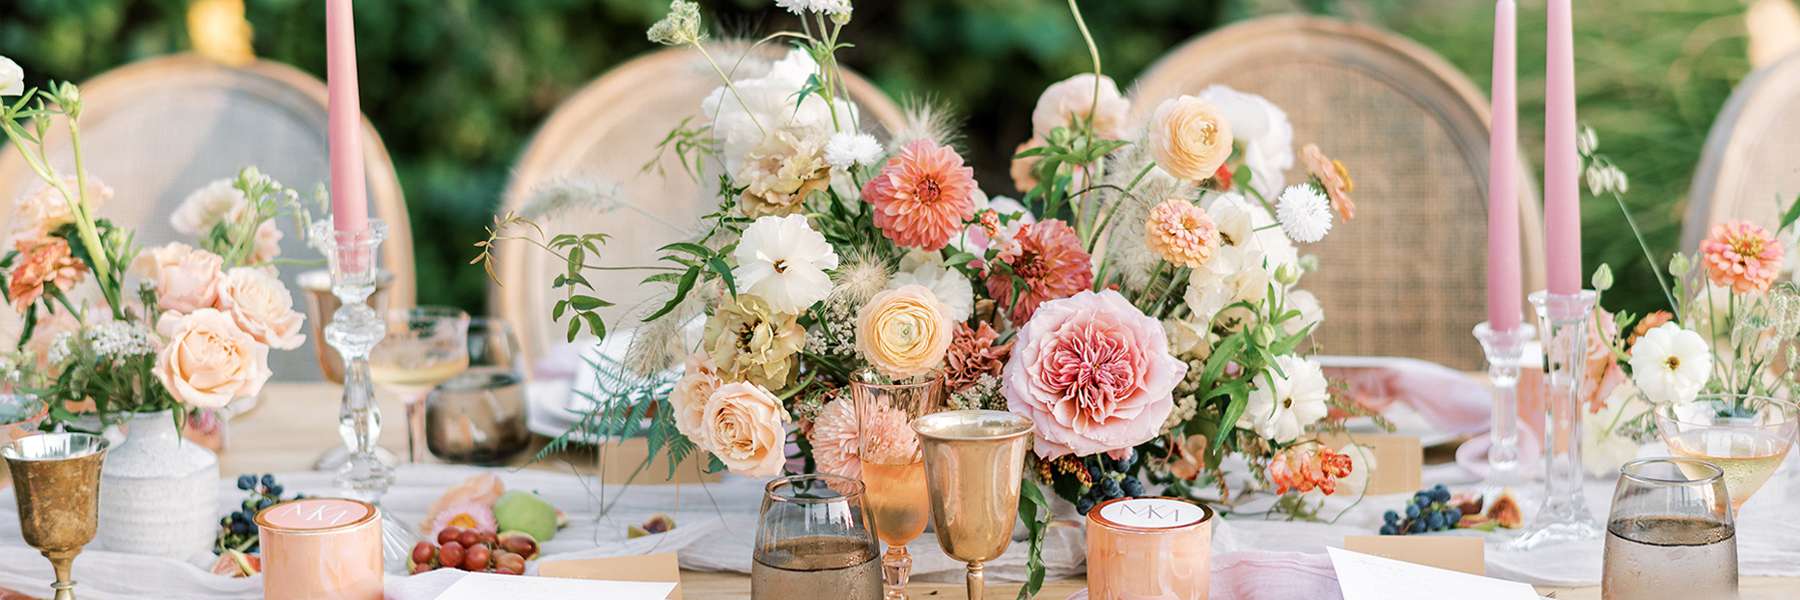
(520, 543)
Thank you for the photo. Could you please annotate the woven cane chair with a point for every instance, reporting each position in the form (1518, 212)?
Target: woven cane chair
(156, 130)
(606, 133)
(1748, 168)
(1406, 278)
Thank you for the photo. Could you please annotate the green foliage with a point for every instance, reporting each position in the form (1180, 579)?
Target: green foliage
(1034, 511)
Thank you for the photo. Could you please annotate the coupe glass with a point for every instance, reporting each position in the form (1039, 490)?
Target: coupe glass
(424, 347)
(814, 540)
(1670, 530)
(478, 416)
(893, 469)
(1745, 436)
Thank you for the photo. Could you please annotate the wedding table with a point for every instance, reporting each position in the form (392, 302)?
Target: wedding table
(293, 423)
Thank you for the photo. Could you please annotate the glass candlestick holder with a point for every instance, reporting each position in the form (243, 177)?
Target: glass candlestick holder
(1503, 350)
(354, 258)
(1563, 516)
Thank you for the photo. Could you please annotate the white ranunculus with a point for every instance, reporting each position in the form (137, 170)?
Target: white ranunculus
(1188, 338)
(1245, 224)
(765, 106)
(950, 287)
(12, 78)
(1670, 364)
(783, 261)
(1311, 313)
(1280, 407)
(1264, 130)
(1233, 275)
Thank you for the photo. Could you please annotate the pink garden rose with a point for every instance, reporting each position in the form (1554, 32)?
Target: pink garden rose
(262, 307)
(208, 361)
(1093, 374)
(186, 278)
(745, 428)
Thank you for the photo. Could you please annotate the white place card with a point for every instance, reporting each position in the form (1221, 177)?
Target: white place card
(1365, 577)
(487, 586)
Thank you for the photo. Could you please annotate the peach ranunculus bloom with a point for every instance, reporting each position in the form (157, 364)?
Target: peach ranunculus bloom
(1066, 102)
(43, 209)
(698, 381)
(208, 361)
(745, 429)
(186, 278)
(904, 332)
(262, 307)
(42, 261)
(1189, 138)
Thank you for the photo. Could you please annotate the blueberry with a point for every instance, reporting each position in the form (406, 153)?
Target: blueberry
(1412, 511)
(1390, 517)
(1422, 499)
(1133, 487)
(264, 503)
(268, 480)
(1455, 515)
(245, 482)
(1111, 487)
(1389, 529)
(1084, 505)
(275, 490)
(1434, 521)
(1094, 472)
(1417, 526)
(239, 529)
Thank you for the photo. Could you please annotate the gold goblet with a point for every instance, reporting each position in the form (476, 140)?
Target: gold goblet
(973, 463)
(58, 487)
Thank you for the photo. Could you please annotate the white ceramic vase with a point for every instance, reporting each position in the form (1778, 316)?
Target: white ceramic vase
(158, 492)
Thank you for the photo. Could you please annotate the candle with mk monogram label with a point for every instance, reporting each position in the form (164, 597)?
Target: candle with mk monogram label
(319, 548)
(1149, 548)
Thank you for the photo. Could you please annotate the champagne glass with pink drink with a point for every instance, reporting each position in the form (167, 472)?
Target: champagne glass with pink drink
(893, 468)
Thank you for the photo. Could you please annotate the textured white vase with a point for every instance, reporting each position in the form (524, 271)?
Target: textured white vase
(158, 492)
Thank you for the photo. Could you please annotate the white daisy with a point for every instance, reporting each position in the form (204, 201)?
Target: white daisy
(12, 78)
(1281, 407)
(847, 150)
(1670, 364)
(1304, 212)
(783, 261)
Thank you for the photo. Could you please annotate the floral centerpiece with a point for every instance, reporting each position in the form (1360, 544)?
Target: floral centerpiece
(1729, 330)
(1139, 300)
(192, 335)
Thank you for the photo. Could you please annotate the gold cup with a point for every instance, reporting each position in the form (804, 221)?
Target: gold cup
(974, 460)
(58, 479)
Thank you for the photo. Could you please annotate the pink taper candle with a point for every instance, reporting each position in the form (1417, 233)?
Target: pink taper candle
(1503, 279)
(1562, 192)
(349, 200)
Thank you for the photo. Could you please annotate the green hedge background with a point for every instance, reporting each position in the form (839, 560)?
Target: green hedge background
(456, 87)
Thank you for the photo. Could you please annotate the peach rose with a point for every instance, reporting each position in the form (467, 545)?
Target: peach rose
(904, 332)
(43, 209)
(696, 386)
(262, 307)
(1189, 139)
(208, 361)
(744, 429)
(186, 278)
(267, 243)
(1071, 100)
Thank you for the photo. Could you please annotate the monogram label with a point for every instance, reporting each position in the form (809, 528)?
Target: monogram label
(1152, 513)
(320, 513)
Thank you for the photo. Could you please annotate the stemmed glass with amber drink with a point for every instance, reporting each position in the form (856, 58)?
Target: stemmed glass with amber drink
(1745, 436)
(893, 469)
(424, 347)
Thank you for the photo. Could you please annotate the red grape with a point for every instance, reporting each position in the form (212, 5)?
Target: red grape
(451, 555)
(423, 552)
(509, 562)
(477, 558)
(449, 534)
(469, 538)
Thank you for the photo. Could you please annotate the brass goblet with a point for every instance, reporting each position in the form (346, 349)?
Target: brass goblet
(974, 460)
(58, 487)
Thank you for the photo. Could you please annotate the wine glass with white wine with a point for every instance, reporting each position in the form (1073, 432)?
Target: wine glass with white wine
(1746, 436)
(424, 347)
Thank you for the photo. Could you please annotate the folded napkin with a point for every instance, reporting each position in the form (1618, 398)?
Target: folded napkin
(1256, 575)
(1450, 400)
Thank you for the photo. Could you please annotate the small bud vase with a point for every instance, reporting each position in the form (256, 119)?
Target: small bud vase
(158, 492)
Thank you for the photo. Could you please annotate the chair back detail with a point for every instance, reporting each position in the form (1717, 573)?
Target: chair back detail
(1750, 166)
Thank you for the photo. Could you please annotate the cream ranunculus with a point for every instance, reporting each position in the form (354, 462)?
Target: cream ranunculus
(904, 332)
(1068, 101)
(262, 307)
(1189, 139)
(748, 341)
(208, 361)
(696, 386)
(186, 278)
(744, 429)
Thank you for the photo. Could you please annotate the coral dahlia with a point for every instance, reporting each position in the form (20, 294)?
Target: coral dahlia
(923, 196)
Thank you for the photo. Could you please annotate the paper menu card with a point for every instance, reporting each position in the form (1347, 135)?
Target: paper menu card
(1365, 577)
(657, 568)
(1456, 553)
(487, 586)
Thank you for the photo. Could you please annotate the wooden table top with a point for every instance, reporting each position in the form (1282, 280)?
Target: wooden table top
(294, 423)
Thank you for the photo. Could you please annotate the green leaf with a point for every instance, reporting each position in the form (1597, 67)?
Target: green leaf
(718, 265)
(1793, 214)
(594, 324)
(588, 302)
(698, 251)
(1240, 398)
(1034, 510)
(681, 292)
(556, 314)
(574, 329)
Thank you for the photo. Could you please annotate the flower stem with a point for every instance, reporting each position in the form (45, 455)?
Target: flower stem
(1093, 52)
(730, 86)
